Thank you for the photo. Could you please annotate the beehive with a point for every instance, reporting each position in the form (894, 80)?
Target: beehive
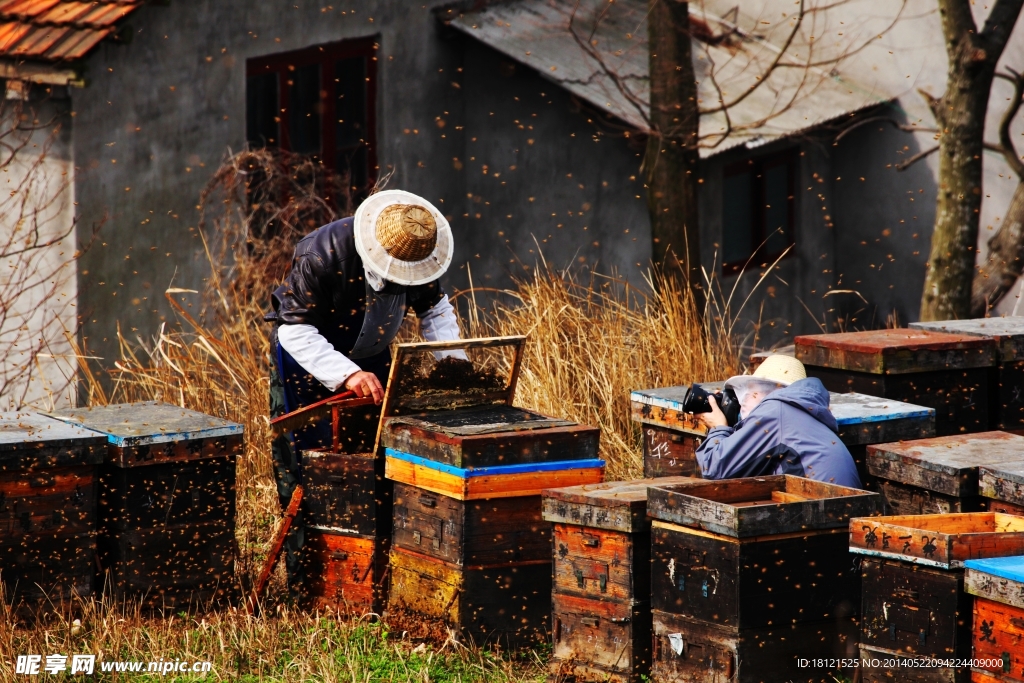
(469, 545)
(947, 372)
(48, 507)
(939, 475)
(914, 604)
(740, 565)
(1002, 487)
(1006, 400)
(997, 585)
(601, 611)
(167, 502)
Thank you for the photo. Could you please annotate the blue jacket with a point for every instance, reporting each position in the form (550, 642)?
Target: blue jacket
(789, 432)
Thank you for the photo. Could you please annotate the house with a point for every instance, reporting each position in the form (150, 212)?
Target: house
(529, 138)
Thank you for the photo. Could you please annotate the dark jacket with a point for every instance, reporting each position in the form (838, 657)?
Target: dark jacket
(792, 431)
(326, 287)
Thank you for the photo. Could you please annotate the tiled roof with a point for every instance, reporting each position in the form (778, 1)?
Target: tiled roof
(57, 30)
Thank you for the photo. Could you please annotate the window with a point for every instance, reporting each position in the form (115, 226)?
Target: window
(318, 102)
(758, 209)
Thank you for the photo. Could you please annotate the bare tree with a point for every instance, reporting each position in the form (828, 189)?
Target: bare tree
(37, 253)
(960, 115)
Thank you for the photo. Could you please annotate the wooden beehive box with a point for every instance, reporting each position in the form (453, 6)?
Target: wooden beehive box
(694, 651)
(167, 501)
(506, 604)
(1002, 487)
(754, 553)
(48, 508)
(345, 572)
(671, 436)
(462, 437)
(1006, 401)
(939, 475)
(998, 637)
(601, 613)
(947, 372)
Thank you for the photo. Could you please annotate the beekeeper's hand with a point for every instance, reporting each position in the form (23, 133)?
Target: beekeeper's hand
(365, 384)
(716, 418)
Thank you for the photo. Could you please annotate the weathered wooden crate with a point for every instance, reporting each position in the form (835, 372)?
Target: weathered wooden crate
(693, 651)
(346, 572)
(148, 432)
(1006, 400)
(947, 372)
(470, 532)
(760, 506)
(508, 604)
(1002, 487)
(998, 587)
(482, 483)
(346, 492)
(171, 566)
(940, 475)
(48, 506)
(671, 437)
(612, 505)
(600, 640)
(944, 541)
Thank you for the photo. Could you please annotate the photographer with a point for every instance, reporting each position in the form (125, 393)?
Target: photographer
(785, 427)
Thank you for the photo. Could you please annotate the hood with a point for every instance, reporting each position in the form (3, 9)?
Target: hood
(810, 396)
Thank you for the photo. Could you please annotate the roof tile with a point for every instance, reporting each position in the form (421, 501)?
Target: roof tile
(55, 30)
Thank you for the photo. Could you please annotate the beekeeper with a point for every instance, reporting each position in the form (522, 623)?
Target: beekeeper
(785, 427)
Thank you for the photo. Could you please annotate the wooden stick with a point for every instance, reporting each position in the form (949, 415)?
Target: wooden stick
(314, 411)
(275, 550)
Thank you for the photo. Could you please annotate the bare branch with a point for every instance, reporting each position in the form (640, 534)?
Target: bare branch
(916, 158)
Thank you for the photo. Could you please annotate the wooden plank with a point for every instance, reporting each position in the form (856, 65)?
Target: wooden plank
(596, 563)
(600, 640)
(274, 553)
(345, 571)
(1008, 332)
(895, 351)
(901, 499)
(668, 452)
(690, 651)
(613, 505)
(342, 491)
(34, 441)
(488, 486)
(999, 638)
(915, 610)
(991, 505)
(751, 582)
(944, 541)
(1003, 481)
(946, 464)
(999, 579)
(714, 505)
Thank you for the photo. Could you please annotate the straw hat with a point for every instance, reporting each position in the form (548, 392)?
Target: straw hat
(402, 238)
(776, 368)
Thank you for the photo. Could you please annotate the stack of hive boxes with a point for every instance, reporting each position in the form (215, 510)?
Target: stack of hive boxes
(469, 545)
(347, 516)
(671, 436)
(748, 575)
(914, 606)
(166, 501)
(997, 585)
(601, 602)
(48, 484)
(947, 372)
(1006, 400)
(940, 475)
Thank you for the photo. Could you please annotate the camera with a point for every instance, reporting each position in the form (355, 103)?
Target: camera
(698, 400)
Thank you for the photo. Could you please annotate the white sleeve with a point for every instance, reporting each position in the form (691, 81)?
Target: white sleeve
(440, 323)
(315, 354)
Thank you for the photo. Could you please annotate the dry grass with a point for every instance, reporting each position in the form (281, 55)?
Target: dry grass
(590, 343)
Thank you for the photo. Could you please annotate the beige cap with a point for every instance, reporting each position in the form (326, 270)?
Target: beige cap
(776, 368)
(402, 238)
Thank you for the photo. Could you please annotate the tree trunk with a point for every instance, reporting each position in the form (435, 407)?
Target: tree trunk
(960, 115)
(999, 273)
(671, 160)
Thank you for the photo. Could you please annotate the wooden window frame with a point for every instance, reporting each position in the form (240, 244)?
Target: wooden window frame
(326, 55)
(757, 165)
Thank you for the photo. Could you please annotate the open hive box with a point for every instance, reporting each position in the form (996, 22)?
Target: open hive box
(746, 567)
(470, 546)
(450, 426)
